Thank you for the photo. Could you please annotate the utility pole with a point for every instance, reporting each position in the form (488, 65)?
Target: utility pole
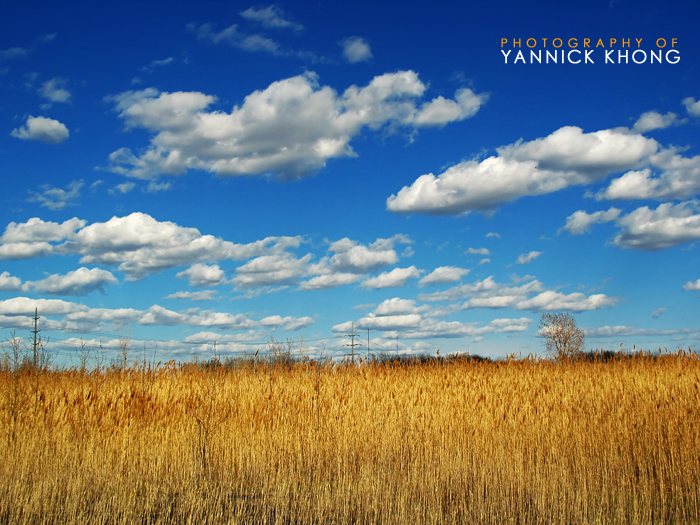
(35, 332)
(36, 364)
(352, 344)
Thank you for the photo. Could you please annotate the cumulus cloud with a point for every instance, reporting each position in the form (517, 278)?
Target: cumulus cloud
(576, 302)
(291, 128)
(37, 230)
(669, 176)
(566, 157)
(42, 129)
(667, 226)
(54, 90)
(398, 306)
(485, 289)
(141, 245)
(652, 120)
(288, 323)
(690, 285)
(355, 49)
(80, 317)
(9, 283)
(478, 251)
(32, 238)
(26, 306)
(393, 279)
(331, 280)
(353, 257)
(580, 222)
(527, 258)
(692, 107)
(413, 326)
(204, 275)
(270, 270)
(204, 295)
(78, 282)
(271, 17)
(442, 275)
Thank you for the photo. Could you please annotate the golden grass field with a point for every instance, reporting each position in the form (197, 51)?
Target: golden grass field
(518, 441)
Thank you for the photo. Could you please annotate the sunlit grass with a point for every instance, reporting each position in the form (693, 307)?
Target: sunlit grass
(441, 442)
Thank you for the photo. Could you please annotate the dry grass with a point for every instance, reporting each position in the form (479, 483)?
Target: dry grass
(459, 442)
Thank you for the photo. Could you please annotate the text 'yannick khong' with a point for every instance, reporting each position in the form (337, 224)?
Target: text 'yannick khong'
(571, 51)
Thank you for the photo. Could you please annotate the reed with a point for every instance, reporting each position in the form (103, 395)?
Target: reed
(461, 441)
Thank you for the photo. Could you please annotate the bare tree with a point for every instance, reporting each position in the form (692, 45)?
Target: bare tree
(563, 339)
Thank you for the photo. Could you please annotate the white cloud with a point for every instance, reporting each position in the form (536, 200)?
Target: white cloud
(527, 258)
(493, 234)
(667, 226)
(12, 53)
(141, 245)
(234, 37)
(36, 230)
(121, 189)
(630, 331)
(56, 198)
(42, 129)
(575, 302)
(478, 251)
(393, 279)
(355, 49)
(486, 288)
(78, 282)
(32, 238)
(331, 280)
(81, 317)
(204, 275)
(271, 17)
(397, 306)
(291, 128)
(204, 295)
(26, 306)
(288, 323)
(9, 283)
(690, 285)
(155, 187)
(54, 90)
(157, 63)
(389, 322)
(270, 270)
(442, 275)
(657, 313)
(679, 178)
(692, 106)
(412, 326)
(580, 222)
(652, 120)
(352, 257)
(566, 157)
(484, 261)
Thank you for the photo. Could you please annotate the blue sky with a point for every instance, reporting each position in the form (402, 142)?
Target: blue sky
(231, 172)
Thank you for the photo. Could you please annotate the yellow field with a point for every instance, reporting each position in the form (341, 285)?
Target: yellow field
(458, 442)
